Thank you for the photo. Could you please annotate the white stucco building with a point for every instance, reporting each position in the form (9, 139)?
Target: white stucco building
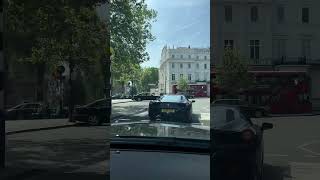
(193, 64)
(271, 34)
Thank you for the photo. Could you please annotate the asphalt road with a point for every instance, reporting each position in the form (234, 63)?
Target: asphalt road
(75, 152)
(138, 110)
(292, 148)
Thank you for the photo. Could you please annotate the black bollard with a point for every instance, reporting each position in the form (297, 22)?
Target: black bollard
(2, 139)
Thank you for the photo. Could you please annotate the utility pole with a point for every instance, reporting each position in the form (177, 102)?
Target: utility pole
(70, 109)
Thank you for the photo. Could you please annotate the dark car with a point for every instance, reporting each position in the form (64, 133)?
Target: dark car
(176, 107)
(153, 150)
(94, 113)
(251, 110)
(116, 96)
(144, 96)
(238, 147)
(23, 111)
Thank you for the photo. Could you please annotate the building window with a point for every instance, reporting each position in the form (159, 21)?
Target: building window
(172, 65)
(279, 48)
(254, 49)
(189, 56)
(305, 48)
(280, 13)
(181, 65)
(254, 14)
(189, 65)
(181, 56)
(228, 44)
(189, 77)
(197, 65)
(197, 57)
(205, 66)
(205, 57)
(181, 76)
(173, 77)
(228, 13)
(305, 15)
(172, 55)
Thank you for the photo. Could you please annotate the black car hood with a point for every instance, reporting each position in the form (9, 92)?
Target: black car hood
(170, 130)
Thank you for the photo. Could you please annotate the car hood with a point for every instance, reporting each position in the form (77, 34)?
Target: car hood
(170, 130)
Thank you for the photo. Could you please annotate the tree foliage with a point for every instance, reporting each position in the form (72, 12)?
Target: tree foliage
(148, 76)
(232, 74)
(49, 32)
(130, 27)
(183, 85)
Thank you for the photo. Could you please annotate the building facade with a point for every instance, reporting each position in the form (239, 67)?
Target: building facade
(273, 35)
(192, 64)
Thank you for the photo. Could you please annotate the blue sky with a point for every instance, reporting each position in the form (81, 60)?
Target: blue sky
(179, 23)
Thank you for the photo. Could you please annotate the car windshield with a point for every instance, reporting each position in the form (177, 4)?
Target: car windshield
(157, 89)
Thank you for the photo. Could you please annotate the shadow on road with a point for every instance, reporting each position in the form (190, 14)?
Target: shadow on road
(57, 155)
(276, 172)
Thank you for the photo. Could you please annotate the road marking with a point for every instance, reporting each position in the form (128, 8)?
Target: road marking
(304, 148)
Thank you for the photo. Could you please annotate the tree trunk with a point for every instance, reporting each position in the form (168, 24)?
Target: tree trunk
(40, 80)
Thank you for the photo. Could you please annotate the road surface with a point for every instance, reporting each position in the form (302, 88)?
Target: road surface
(292, 148)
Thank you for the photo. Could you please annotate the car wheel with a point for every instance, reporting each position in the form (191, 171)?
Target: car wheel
(94, 121)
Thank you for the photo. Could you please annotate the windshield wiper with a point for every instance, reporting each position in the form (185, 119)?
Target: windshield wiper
(161, 143)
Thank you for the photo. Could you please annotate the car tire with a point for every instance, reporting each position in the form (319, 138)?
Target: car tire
(94, 121)
(152, 116)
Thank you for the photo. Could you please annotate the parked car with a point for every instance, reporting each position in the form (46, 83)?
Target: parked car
(94, 113)
(238, 148)
(251, 110)
(144, 96)
(23, 111)
(176, 107)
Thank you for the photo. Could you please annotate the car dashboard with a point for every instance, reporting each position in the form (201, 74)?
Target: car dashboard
(158, 165)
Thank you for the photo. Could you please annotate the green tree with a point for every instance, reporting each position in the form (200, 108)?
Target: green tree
(232, 74)
(183, 85)
(130, 26)
(57, 31)
(149, 76)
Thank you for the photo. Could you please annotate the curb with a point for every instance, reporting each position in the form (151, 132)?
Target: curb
(58, 127)
(121, 102)
(39, 129)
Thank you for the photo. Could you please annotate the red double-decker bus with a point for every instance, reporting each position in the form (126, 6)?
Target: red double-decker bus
(282, 92)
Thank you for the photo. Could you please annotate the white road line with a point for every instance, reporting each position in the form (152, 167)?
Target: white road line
(304, 148)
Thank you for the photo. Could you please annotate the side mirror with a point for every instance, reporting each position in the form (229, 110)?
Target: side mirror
(193, 101)
(266, 126)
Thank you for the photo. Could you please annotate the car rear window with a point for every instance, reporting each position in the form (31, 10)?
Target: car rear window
(171, 98)
(228, 118)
